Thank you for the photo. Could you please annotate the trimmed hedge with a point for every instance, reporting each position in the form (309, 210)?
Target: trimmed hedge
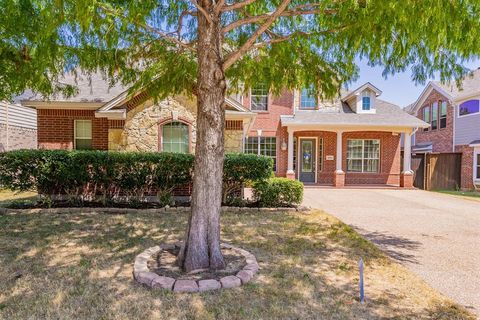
(278, 192)
(239, 169)
(90, 175)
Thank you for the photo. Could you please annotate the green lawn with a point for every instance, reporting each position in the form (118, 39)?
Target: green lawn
(470, 194)
(79, 266)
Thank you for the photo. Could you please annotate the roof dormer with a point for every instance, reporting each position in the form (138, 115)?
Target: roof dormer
(363, 99)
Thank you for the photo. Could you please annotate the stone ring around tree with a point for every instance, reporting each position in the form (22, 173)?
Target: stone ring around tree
(156, 268)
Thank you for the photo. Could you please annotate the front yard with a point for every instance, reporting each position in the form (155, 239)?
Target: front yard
(80, 266)
(472, 195)
(6, 197)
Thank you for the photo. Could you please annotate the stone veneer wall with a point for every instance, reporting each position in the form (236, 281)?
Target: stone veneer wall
(18, 138)
(233, 141)
(141, 130)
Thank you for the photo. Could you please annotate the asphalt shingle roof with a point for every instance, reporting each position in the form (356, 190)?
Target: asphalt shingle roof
(91, 88)
(387, 114)
(470, 85)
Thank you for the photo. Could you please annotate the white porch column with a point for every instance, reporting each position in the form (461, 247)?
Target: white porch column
(290, 172)
(407, 152)
(339, 152)
(339, 175)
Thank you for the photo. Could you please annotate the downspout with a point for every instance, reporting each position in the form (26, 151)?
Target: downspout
(454, 124)
(475, 165)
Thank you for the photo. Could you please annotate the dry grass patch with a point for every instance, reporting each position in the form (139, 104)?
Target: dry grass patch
(80, 266)
(7, 196)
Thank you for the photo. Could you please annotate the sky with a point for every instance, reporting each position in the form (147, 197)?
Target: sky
(398, 89)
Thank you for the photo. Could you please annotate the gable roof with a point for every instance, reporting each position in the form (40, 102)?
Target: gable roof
(413, 107)
(470, 86)
(96, 90)
(367, 85)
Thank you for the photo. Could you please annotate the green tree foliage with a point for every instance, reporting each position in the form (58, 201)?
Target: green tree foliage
(152, 44)
(197, 47)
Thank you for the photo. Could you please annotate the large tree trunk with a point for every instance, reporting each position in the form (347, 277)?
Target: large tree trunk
(201, 248)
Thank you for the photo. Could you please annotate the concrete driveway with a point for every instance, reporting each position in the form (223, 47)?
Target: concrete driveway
(436, 236)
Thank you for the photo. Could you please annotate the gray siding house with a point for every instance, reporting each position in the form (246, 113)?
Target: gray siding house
(18, 127)
(454, 116)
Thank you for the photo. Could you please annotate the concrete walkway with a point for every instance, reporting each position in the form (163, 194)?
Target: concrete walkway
(437, 236)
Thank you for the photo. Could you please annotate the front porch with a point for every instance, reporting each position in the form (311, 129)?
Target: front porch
(347, 157)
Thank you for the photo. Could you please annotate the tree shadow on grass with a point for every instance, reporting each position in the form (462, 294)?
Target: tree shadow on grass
(399, 248)
(79, 266)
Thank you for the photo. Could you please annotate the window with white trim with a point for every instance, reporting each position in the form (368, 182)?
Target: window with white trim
(267, 147)
(259, 98)
(175, 137)
(307, 99)
(363, 155)
(443, 114)
(434, 123)
(426, 116)
(83, 134)
(366, 101)
(469, 107)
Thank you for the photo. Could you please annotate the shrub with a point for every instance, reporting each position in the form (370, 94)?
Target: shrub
(93, 175)
(85, 175)
(278, 192)
(240, 168)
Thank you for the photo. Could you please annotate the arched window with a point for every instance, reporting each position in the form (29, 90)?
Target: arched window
(469, 107)
(175, 137)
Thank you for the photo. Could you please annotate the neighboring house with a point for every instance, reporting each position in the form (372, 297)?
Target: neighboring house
(18, 127)
(352, 140)
(454, 117)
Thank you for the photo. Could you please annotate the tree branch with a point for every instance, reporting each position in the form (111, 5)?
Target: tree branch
(237, 5)
(163, 35)
(202, 11)
(219, 6)
(297, 11)
(233, 57)
(296, 34)
(184, 13)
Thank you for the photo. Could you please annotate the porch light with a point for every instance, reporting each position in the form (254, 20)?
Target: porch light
(284, 145)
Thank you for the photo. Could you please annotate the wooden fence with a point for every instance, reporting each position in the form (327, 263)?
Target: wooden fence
(437, 171)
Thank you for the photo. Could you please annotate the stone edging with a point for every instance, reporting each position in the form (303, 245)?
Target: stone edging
(143, 275)
(8, 211)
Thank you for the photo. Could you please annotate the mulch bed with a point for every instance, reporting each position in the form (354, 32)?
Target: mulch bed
(164, 264)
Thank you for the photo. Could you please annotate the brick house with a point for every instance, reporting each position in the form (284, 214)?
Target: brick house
(354, 139)
(454, 117)
(18, 127)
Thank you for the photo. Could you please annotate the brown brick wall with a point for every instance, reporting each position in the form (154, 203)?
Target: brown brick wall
(389, 157)
(467, 166)
(56, 128)
(442, 139)
(269, 121)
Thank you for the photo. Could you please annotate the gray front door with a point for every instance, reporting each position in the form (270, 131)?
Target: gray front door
(307, 160)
